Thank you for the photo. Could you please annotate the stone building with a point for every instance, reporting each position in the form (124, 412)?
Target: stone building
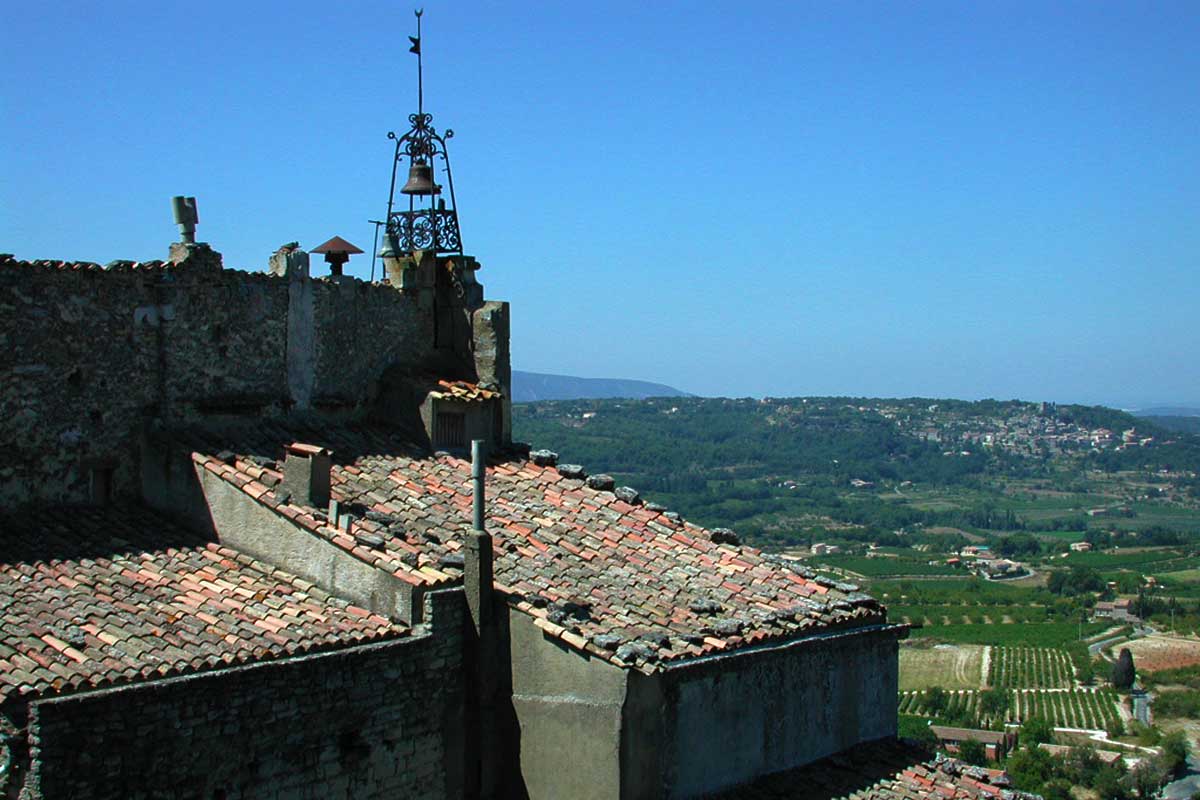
(245, 553)
(239, 555)
(237, 561)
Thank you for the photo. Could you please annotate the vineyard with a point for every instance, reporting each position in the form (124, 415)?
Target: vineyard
(1030, 668)
(973, 614)
(1041, 634)
(1093, 709)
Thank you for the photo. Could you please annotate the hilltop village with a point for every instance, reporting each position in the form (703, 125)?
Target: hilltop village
(269, 533)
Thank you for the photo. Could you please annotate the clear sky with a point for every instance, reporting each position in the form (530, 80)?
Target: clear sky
(953, 199)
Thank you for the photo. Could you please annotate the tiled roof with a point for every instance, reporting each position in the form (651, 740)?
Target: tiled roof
(591, 563)
(944, 779)
(463, 390)
(963, 734)
(91, 597)
(7, 260)
(1105, 756)
(885, 770)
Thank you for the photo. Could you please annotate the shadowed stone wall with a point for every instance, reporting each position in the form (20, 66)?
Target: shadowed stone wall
(731, 719)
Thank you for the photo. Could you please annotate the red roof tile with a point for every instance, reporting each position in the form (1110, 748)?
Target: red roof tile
(90, 597)
(883, 770)
(637, 586)
(463, 390)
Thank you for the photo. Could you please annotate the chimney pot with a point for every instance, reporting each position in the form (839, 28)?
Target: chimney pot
(306, 474)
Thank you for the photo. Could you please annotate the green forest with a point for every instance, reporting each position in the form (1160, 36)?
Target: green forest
(786, 471)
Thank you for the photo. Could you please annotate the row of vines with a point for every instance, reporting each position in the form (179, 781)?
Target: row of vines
(1030, 668)
(1093, 709)
(961, 613)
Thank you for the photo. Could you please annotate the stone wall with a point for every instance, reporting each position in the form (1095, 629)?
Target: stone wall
(567, 708)
(379, 720)
(733, 718)
(90, 357)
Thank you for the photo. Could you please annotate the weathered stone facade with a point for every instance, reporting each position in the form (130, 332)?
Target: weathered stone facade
(93, 357)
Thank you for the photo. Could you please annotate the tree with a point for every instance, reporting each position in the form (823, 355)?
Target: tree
(1030, 768)
(1148, 775)
(972, 751)
(1123, 672)
(993, 702)
(1036, 730)
(1175, 750)
(1057, 789)
(1086, 672)
(935, 700)
(1116, 728)
(1107, 783)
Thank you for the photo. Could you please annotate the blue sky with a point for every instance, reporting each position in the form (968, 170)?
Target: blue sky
(942, 199)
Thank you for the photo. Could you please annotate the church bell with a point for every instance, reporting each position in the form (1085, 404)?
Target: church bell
(420, 180)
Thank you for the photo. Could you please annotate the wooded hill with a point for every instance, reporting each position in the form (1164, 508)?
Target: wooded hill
(749, 462)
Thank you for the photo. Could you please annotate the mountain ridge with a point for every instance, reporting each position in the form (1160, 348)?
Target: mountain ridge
(531, 387)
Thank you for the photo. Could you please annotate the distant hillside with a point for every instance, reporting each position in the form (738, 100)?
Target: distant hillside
(779, 470)
(1183, 419)
(532, 386)
(1168, 411)
(1181, 424)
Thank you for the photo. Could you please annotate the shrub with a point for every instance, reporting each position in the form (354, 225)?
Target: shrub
(973, 752)
(1123, 672)
(1037, 730)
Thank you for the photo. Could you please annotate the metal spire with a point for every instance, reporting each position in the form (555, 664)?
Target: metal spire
(422, 227)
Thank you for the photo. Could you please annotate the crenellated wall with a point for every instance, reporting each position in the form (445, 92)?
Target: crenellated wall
(91, 357)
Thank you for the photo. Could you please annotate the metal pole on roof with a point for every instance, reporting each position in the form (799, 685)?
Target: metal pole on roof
(478, 470)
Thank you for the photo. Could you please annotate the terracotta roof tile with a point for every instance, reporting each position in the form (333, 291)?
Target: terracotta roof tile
(90, 597)
(641, 587)
(463, 390)
(884, 770)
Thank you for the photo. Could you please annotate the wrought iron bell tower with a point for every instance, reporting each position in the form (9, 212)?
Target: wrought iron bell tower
(428, 223)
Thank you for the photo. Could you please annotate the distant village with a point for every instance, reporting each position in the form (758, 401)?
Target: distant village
(1035, 430)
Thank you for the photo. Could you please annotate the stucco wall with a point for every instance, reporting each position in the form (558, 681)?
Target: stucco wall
(241, 523)
(730, 719)
(568, 710)
(379, 720)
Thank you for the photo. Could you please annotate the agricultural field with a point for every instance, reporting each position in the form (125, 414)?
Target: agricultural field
(932, 615)
(1041, 634)
(884, 566)
(1160, 652)
(1183, 577)
(1030, 668)
(1092, 709)
(1121, 559)
(950, 666)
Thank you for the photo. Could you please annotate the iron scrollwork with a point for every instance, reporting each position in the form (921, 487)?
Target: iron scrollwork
(434, 228)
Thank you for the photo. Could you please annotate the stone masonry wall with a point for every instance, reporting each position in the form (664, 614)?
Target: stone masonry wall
(361, 329)
(732, 719)
(90, 356)
(380, 720)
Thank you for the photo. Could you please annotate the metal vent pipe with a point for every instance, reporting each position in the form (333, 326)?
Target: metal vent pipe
(478, 470)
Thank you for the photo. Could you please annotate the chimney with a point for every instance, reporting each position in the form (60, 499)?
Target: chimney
(306, 474)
